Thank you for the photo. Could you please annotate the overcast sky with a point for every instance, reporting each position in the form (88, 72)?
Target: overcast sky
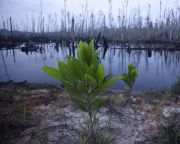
(17, 9)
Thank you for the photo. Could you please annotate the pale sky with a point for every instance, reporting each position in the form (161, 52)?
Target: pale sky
(18, 9)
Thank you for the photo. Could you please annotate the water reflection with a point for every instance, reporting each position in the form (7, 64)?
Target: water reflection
(157, 69)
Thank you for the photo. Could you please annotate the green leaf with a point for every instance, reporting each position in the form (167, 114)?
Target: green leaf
(131, 76)
(72, 90)
(92, 70)
(100, 74)
(98, 103)
(84, 54)
(66, 72)
(76, 68)
(61, 65)
(52, 72)
(82, 88)
(90, 81)
(79, 103)
(110, 82)
(91, 45)
(84, 77)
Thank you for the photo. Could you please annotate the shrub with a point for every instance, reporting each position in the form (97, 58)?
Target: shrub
(84, 78)
(131, 76)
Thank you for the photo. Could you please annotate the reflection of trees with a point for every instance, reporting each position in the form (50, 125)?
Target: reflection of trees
(161, 60)
(116, 57)
(5, 67)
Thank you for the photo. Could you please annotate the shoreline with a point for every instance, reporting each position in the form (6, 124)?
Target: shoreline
(28, 108)
(60, 87)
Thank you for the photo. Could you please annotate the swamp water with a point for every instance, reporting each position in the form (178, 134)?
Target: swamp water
(157, 69)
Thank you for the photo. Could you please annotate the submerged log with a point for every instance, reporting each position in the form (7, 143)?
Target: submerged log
(105, 44)
(30, 47)
(97, 40)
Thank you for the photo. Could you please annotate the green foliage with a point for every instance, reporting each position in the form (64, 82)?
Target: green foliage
(83, 77)
(131, 76)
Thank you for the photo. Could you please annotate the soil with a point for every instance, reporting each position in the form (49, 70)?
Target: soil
(18, 100)
(39, 113)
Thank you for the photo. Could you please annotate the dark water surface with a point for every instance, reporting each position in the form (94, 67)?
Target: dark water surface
(157, 69)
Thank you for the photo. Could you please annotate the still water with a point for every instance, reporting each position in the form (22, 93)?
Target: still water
(157, 69)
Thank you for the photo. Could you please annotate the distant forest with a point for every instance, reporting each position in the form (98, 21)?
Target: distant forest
(121, 29)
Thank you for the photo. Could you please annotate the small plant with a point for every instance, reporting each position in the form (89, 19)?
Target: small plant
(84, 78)
(131, 76)
(100, 139)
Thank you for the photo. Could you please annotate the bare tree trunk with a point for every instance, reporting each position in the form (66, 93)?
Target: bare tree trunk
(11, 28)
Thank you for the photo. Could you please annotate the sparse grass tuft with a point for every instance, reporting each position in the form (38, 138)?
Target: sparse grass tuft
(175, 88)
(85, 138)
(169, 130)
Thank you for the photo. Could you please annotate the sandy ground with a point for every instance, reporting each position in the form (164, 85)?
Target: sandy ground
(37, 113)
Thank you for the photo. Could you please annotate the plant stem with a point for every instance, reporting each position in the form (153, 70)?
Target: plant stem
(90, 111)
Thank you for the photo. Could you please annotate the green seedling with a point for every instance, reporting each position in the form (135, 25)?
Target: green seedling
(84, 78)
(131, 76)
